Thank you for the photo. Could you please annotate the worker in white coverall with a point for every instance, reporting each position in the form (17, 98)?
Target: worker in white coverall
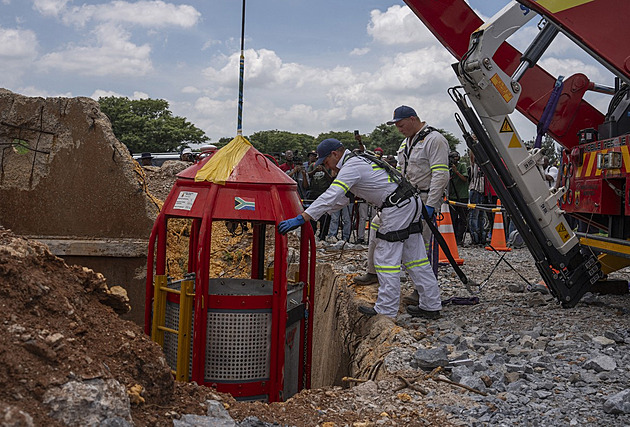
(373, 184)
(423, 160)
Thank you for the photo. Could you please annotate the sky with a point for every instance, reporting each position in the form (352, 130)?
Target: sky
(310, 66)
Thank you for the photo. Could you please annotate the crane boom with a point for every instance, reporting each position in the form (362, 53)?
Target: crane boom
(453, 21)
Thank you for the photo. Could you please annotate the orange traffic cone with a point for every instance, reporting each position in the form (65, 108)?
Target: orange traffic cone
(445, 227)
(498, 235)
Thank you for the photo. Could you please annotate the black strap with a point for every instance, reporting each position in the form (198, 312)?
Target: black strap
(352, 154)
(418, 137)
(400, 235)
(440, 239)
(401, 196)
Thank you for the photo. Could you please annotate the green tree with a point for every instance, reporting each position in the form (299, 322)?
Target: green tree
(148, 125)
(453, 141)
(345, 137)
(276, 141)
(388, 137)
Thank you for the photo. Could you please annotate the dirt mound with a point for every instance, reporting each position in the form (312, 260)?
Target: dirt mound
(160, 179)
(59, 325)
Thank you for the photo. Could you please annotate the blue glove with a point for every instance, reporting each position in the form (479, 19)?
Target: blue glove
(290, 224)
(430, 210)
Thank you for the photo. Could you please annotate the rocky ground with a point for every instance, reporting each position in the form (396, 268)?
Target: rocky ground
(529, 361)
(515, 358)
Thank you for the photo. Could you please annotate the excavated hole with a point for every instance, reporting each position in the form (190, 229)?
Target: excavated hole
(345, 344)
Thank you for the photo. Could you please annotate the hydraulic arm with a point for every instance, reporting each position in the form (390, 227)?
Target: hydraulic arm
(568, 269)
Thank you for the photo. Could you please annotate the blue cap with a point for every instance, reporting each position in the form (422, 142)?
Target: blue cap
(326, 147)
(402, 112)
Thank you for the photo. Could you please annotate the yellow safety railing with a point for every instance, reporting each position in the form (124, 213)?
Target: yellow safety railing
(158, 326)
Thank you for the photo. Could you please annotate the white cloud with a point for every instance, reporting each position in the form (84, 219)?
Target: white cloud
(212, 115)
(360, 51)
(18, 48)
(139, 95)
(150, 14)
(398, 26)
(568, 67)
(422, 71)
(262, 68)
(299, 98)
(50, 7)
(113, 55)
(37, 92)
(207, 45)
(401, 64)
(190, 89)
(100, 93)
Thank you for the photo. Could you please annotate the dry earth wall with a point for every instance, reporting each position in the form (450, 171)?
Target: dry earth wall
(67, 181)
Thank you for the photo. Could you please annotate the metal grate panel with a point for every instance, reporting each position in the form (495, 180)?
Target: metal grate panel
(238, 345)
(170, 340)
(172, 321)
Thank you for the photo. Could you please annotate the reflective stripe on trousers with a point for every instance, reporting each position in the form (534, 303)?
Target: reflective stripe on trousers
(411, 253)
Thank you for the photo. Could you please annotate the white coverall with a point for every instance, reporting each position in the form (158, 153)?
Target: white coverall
(372, 183)
(425, 164)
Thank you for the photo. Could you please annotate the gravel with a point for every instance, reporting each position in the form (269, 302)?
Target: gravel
(537, 363)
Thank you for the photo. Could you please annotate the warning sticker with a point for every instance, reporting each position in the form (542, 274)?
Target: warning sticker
(185, 200)
(506, 126)
(501, 88)
(563, 232)
(514, 142)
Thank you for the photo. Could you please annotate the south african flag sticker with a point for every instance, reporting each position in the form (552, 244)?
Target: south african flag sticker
(244, 204)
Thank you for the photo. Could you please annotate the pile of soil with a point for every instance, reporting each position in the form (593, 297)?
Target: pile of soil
(59, 323)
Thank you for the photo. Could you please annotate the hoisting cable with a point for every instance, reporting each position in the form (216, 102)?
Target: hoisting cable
(239, 126)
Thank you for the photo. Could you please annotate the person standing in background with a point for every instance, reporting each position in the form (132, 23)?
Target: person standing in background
(297, 172)
(423, 160)
(476, 196)
(320, 178)
(551, 172)
(458, 192)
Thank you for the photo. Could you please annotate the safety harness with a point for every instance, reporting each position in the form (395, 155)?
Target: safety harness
(407, 149)
(400, 197)
(404, 192)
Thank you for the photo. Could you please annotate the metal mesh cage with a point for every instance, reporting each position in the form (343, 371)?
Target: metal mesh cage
(238, 345)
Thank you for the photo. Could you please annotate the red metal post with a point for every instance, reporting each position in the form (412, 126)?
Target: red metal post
(200, 321)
